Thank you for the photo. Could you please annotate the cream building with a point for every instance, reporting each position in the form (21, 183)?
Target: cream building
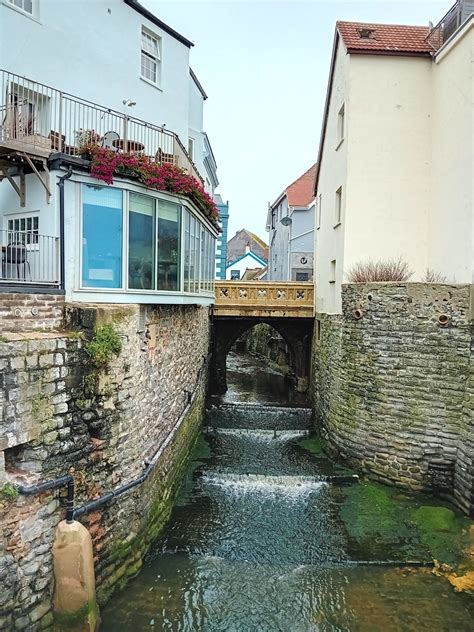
(396, 152)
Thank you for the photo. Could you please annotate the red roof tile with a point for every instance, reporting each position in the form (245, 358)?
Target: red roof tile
(301, 191)
(384, 38)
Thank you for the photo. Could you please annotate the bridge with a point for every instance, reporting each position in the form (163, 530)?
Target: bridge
(288, 307)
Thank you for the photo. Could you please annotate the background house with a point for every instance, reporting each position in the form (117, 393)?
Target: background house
(390, 184)
(239, 268)
(290, 223)
(237, 245)
(221, 245)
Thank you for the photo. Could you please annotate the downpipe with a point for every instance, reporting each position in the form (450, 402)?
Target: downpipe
(62, 265)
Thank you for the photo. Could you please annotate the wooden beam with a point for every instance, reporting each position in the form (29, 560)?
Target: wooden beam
(44, 181)
(20, 190)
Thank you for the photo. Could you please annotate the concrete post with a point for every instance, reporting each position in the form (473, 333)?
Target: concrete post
(74, 604)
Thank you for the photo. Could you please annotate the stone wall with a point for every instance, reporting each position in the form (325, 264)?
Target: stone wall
(267, 344)
(392, 385)
(24, 312)
(63, 408)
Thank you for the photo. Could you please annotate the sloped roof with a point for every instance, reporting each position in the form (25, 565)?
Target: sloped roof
(134, 4)
(250, 254)
(390, 39)
(301, 191)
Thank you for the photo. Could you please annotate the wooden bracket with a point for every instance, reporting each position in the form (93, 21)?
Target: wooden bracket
(44, 180)
(20, 190)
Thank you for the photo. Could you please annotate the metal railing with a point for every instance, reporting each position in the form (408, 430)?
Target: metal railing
(36, 116)
(449, 23)
(29, 258)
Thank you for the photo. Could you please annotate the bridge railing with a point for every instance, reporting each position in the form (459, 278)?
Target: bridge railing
(266, 298)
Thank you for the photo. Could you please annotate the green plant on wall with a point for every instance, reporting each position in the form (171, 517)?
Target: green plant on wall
(104, 345)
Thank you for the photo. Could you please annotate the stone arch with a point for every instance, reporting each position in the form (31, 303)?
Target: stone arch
(297, 333)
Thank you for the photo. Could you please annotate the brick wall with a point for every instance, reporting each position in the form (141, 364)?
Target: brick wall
(392, 386)
(30, 312)
(60, 411)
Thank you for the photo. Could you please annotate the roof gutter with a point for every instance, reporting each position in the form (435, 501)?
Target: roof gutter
(133, 4)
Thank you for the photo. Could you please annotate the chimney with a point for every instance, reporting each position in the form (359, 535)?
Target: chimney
(247, 248)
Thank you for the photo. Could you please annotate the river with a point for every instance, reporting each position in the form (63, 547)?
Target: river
(269, 535)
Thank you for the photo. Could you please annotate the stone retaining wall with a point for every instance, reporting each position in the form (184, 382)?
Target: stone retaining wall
(30, 312)
(393, 385)
(61, 410)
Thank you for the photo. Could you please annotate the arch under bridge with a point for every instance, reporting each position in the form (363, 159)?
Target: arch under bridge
(288, 307)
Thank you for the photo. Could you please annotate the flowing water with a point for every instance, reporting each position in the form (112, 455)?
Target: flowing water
(260, 540)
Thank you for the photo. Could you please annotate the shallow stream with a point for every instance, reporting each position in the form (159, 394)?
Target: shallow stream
(269, 534)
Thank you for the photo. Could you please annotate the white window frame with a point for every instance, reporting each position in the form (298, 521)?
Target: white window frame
(151, 53)
(19, 5)
(32, 244)
(338, 207)
(341, 122)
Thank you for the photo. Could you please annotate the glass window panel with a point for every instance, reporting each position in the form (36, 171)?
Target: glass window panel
(196, 253)
(187, 251)
(141, 242)
(102, 230)
(168, 246)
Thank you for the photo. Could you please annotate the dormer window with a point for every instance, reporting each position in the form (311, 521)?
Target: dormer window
(366, 33)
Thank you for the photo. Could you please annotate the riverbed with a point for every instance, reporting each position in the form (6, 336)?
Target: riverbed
(269, 534)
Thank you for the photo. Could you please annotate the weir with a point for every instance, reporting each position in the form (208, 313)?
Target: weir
(263, 533)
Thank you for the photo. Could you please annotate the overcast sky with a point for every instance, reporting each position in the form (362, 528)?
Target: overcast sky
(264, 65)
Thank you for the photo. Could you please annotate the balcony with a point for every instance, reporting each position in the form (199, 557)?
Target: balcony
(29, 259)
(449, 24)
(37, 120)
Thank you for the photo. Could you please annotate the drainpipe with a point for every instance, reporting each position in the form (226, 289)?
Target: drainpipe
(62, 266)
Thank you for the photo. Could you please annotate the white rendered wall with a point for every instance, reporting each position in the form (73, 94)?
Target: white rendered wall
(333, 174)
(93, 50)
(246, 262)
(451, 226)
(389, 156)
(196, 113)
(279, 238)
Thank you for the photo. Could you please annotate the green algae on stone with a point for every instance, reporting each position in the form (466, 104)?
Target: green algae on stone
(441, 532)
(315, 445)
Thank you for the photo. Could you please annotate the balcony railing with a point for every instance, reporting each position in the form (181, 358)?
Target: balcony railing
(449, 23)
(264, 298)
(34, 116)
(29, 258)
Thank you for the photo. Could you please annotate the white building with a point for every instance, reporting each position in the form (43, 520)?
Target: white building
(122, 76)
(235, 270)
(396, 152)
(290, 224)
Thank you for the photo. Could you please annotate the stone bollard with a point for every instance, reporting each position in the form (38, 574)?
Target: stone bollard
(75, 606)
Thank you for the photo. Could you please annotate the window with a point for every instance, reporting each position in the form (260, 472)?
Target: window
(23, 229)
(168, 245)
(340, 125)
(141, 242)
(132, 241)
(191, 148)
(235, 275)
(332, 272)
(24, 5)
(319, 211)
(302, 276)
(151, 57)
(102, 230)
(338, 207)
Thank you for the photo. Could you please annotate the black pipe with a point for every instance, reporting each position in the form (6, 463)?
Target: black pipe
(62, 264)
(71, 512)
(55, 483)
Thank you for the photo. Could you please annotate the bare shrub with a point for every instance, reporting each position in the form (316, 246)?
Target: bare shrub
(431, 276)
(379, 271)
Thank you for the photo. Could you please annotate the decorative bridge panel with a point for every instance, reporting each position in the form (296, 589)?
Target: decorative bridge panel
(264, 299)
